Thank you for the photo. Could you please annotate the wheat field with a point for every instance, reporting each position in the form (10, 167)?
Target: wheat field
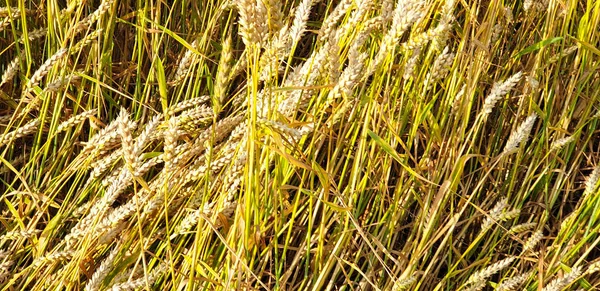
(300, 145)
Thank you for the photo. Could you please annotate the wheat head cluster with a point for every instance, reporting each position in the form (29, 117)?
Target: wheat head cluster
(299, 145)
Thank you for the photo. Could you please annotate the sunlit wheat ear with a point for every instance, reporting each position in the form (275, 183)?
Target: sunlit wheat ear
(186, 62)
(405, 283)
(299, 23)
(252, 16)
(482, 275)
(106, 139)
(441, 67)
(356, 18)
(561, 142)
(409, 68)
(495, 213)
(34, 34)
(9, 11)
(95, 16)
(270, 62)
(53, 258)
(330, 22)
(86, 41)
(593, 268)
(477, 286)
(27, 129)
(520, 135)
(170, 139)
(512, 283)
(102, 271)
(387, 11)
(75, 120)
(591, 182)
(223, 71)
(150, 278)
(11, 15)
(446, 19)
(188, 103)
(566, 280)
(418, 41)
(275, 13)
(126, 139)
(192, 218)
(61, 82)
(498, 91)
(43, 70)
(533, 240)
(405, 14)
(18, 234)
(10, 71)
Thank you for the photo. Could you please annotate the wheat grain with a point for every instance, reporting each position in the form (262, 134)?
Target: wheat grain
(418, 41)
(498, 91)
(560, 283)
(90, 19)
(126, 140)
(44, 69)
(561, 142)
(409, 68)
(299, 23)
(331, 20)
(52, 258)
(185, 104)
(74, 120)
(441, 67)
(405, 14)
(591, 181)
(533, 240)
(18, 234)
(170, 138)
(35, 34)
(61, 82)
(520, 135)
(102, 271)
(477, 286)
(482, 275)
(11, 70)
(512, 283)
(275, 15)
(140, 282)
(404, 283)
(224, 69)
(495, 213)
(186, 62)
(27, 129)
(249, 28)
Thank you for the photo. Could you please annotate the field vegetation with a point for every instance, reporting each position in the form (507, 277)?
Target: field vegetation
(299, 145)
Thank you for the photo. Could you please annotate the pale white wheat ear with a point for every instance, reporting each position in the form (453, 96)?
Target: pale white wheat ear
(592, 181)
(561, 142)
(495, 213)
(10, 71)
(520, 135)
(102, 271)
(498, 91)
(482, 275)
(513, 283)
(533, 240)
(560, 283)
